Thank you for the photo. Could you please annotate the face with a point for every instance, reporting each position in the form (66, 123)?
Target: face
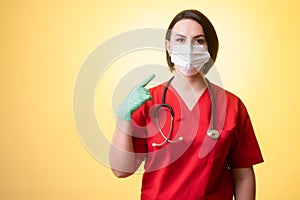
(186, 31)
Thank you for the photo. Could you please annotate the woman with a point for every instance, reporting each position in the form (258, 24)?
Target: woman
(193, 155)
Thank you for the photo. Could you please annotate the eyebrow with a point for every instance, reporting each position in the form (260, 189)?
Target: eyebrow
(197, 36)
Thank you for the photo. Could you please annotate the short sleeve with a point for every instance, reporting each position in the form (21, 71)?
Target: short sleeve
(245, 150)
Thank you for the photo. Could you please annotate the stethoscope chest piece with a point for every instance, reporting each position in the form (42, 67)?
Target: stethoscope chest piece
(213, 134)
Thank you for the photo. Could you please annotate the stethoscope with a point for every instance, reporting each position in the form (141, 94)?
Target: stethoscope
(211, 132)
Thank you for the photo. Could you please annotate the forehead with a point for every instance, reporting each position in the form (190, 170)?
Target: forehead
(188, 27)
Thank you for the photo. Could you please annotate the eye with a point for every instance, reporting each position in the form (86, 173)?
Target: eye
(201, 41)
(180, 40)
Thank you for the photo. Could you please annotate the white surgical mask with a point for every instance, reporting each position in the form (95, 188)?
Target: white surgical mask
(189, 59)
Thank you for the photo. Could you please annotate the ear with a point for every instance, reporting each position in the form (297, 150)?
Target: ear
(207, 66)
(168, 46)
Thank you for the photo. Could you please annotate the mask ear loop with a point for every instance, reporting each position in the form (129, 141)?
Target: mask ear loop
(207, 66)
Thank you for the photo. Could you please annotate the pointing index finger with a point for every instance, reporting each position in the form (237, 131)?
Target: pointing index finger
(147, 80)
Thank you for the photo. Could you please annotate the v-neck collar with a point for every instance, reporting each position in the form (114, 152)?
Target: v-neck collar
(190, 105)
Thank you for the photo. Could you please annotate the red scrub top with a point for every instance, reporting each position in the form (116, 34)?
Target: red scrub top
(196, 167)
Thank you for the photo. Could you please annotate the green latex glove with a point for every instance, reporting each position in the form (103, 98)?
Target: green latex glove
(137, 97)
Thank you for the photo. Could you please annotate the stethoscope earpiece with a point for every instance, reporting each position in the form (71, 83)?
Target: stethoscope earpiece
(154, 144)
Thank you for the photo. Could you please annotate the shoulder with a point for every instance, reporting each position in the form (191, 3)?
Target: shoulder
(230, 97)
(157, 88)
(231, 109)
(233, 103)
(157, 91)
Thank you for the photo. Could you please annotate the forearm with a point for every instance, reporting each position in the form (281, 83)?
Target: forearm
(122, 157)
(244, 180)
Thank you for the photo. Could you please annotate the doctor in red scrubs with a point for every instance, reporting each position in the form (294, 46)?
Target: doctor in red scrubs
(196, 138)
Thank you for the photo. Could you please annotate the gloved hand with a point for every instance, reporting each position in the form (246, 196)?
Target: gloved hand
(137, 97)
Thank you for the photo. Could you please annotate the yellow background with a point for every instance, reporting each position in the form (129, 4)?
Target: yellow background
(44, 43)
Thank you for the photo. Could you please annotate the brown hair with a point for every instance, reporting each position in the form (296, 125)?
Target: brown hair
(209, 31)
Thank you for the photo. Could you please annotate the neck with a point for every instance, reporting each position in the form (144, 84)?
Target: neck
(196, 82)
